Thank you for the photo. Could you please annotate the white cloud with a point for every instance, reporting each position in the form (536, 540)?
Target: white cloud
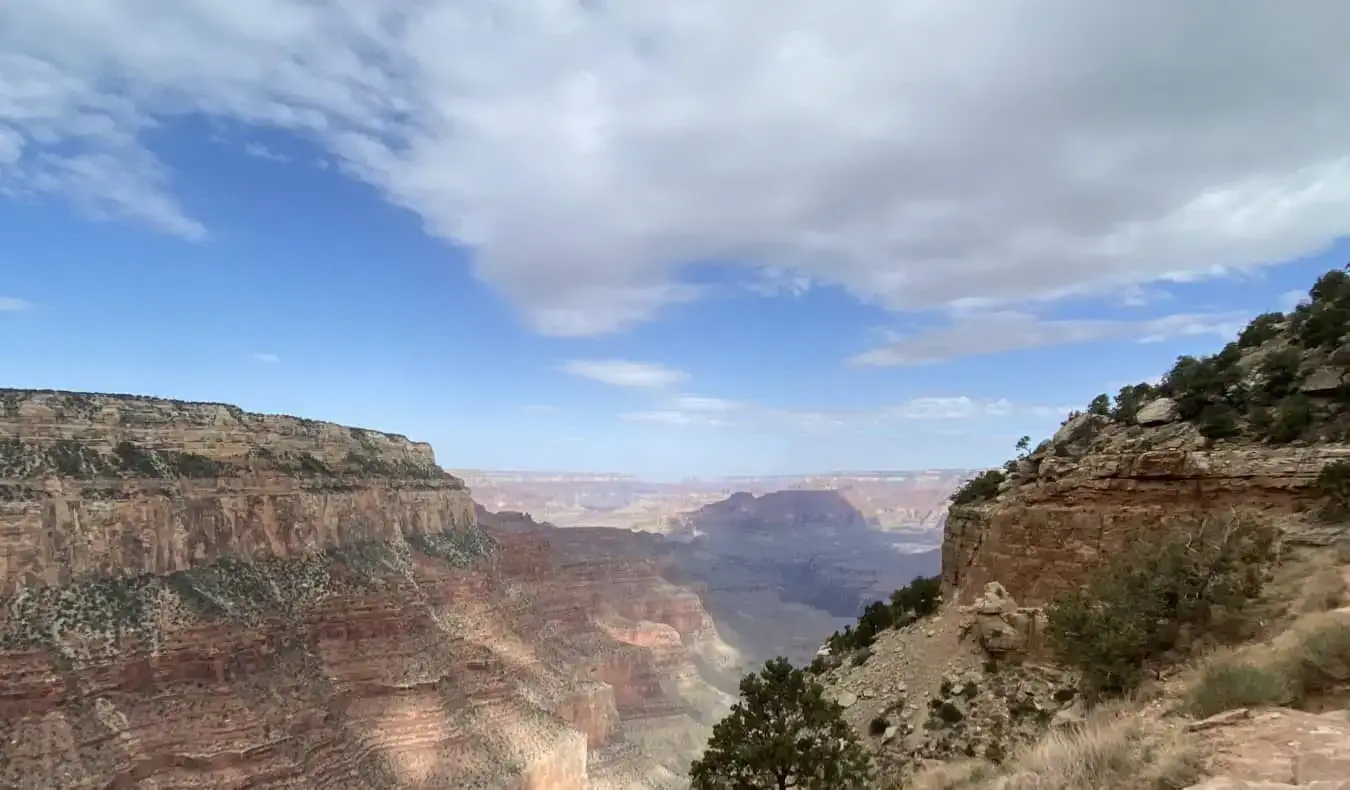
(260, 151)
(10, 304)
(701, 403)
(588, 149)
(672, 417)
(623, 373)
(983, 333)
(930, 409)
(266, 358)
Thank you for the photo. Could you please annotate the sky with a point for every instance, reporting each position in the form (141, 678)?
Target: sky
(669, 239)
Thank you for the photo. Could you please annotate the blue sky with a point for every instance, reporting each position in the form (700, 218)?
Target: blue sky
(601, 260)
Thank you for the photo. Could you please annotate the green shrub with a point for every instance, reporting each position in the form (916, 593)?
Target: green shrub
(1230, 683)
(1218, 421)
(860, 657)
(1280, 375)
(1291, 420)
(1159, 595)
(919, 598)
(1130, 399)
(1197, 382)
(783, 733)
(1100, 405)
(1262, 328)
(982, 487)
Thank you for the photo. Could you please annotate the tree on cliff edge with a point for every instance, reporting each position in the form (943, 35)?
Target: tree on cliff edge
(782, 734)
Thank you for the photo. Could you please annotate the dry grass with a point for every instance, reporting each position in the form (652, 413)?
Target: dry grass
(1229, 683)
(1325, 590)
(1341, 551)
(1310, 659)
(1116, 748)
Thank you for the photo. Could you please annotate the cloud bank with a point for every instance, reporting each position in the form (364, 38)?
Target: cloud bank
(918, 153)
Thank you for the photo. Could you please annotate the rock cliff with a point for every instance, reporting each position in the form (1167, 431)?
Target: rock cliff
(1251, 427)
(193, 596)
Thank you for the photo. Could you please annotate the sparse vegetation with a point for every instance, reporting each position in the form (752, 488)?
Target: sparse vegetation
(1114, 748)
(783, 733)
(918, 599)
(1333, 484)
(1159, 598)
(979, 488)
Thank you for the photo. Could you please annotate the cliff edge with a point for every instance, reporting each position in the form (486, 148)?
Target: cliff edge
(1250, 428)
(196, 596)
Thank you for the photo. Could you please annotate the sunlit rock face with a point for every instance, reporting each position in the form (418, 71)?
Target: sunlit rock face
(196, 596)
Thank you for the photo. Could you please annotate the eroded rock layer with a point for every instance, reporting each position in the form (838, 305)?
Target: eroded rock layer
(195, 596)
(1066, 511)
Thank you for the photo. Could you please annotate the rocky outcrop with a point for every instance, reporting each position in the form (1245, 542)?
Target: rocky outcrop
(1049, 530)
(193, 596)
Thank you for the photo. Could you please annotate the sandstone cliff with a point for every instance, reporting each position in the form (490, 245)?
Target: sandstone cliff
(1249, 428)
(194, 596)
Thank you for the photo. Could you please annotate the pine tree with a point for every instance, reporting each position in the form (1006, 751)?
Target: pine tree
(782, 734)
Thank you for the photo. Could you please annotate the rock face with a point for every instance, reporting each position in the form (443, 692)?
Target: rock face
(1044, 535)
(195, 596)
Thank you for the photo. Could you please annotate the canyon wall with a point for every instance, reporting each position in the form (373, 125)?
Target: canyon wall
(1064, 511)
(194, 596)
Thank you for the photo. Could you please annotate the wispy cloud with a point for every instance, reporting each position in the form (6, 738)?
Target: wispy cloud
(260, 151)
(924, 410)
(701, 403)
(10, 304)
(266, 358)
(993, 332)
(624, 373)
(672, 417)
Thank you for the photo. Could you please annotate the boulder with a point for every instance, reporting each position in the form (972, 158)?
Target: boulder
(1157, 412)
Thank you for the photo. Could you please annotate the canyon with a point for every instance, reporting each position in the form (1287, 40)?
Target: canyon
(781, 562)
(195, 596)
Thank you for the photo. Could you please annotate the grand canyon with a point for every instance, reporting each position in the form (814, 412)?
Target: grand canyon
(197, 596)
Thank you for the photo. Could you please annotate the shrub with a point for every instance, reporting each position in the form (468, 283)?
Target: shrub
(1130, 399)
(920, 597)
(1230, 683)
(1197, 382)
(782, 733)
(1218, 421)
(1262, 328)
(878, 726)
(1157, 596)
(1333, 484)
(1280, 373)
(1324, 326)
(1291, 420)
(1325, 590)
(1319, 660)
(982, 487)
(1100, 405)
(860, 657)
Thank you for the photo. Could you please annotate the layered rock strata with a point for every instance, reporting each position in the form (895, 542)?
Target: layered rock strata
(195, 596)
(1065, 513)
